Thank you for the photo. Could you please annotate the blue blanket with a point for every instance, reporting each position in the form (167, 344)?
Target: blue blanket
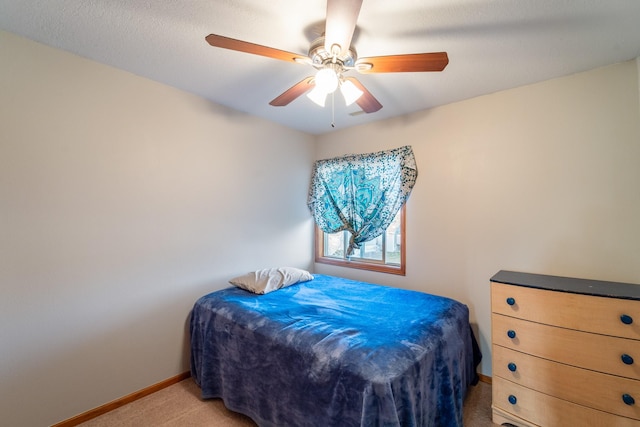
(334, 352)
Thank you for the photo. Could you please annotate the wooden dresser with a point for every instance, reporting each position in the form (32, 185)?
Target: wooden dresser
(566, 352)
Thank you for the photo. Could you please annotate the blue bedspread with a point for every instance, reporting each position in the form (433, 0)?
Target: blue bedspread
(334, 352)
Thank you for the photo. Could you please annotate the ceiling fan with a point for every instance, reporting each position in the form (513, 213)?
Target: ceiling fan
(333, 56)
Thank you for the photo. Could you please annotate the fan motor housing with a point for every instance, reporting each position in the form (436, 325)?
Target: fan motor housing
(320, 56)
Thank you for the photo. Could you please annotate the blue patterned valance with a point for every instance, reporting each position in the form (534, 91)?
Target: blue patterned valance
(361, 193)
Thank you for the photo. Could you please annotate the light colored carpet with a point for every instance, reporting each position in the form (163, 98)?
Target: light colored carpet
(180, 406)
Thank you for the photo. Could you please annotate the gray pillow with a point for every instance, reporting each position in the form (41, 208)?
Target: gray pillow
(270, 279)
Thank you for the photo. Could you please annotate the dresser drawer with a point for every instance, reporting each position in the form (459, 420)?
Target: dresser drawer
(547, 411)
(591, 351)
(601, 315)
(582, 386)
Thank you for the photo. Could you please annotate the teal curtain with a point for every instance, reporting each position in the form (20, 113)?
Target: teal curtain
(361, 193)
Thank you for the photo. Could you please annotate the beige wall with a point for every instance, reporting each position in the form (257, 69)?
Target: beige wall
(638, 74)
(543, 178)
(121, 202)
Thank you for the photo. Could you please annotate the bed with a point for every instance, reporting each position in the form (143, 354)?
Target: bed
(335, 352)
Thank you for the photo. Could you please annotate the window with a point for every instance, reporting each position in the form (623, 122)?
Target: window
(364, 194)
(385, 253)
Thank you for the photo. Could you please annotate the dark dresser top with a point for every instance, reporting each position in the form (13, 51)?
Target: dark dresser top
(569, 284)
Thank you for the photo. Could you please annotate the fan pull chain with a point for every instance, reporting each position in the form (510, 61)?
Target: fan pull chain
(333, 109)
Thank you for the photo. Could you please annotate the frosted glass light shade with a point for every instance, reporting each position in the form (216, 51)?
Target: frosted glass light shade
(326, 80)
(350, 92)
(318, 96)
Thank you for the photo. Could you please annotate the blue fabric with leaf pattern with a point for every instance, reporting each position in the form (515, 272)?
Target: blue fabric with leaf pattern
(361, 193)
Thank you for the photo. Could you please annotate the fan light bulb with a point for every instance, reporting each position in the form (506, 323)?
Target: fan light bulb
(326, 80)
(350, 92)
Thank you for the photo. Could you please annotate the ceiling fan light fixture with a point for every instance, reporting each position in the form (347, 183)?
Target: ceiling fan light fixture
(326, 80)
(332, 55)
(350, 92)
(318, 96)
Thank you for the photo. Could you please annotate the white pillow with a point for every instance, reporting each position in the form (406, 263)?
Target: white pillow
(270, 279)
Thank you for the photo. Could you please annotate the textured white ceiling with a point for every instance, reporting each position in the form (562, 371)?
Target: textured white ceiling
(492, 45)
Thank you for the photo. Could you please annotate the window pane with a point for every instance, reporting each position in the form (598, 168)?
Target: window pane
(370, 250)
(393, 242)
(383, 254)
(334, 244)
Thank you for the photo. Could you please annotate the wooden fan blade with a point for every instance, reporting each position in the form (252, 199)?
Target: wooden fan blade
(242, 46)
(293, 92)
(342, 16)
(416, 62)
(367, 101)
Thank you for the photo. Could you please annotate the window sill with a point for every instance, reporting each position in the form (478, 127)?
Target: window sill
(363, 265)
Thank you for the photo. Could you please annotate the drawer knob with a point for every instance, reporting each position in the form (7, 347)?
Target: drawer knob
(511, 333)
(511, 301)
(512, 367)
(513, 400)
(626, 319)
(626, 359)
(628, 399)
